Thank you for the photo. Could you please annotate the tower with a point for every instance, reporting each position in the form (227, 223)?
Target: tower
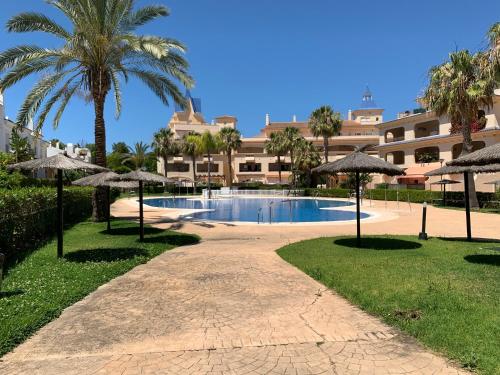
(368, 112)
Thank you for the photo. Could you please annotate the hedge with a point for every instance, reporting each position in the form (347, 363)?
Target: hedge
(29, 216)
(415, 196)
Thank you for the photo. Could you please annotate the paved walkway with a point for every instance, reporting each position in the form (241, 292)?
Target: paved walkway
(228, 305)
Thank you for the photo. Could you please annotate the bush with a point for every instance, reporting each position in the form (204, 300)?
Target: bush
(455, 198)
(29, 216)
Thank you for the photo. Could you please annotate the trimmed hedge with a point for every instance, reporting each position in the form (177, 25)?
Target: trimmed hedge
(29, 216)
(415, 196)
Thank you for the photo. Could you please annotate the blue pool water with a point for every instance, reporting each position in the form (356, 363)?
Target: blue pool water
(282, 210)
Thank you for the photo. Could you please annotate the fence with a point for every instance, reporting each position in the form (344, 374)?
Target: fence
(232, 192)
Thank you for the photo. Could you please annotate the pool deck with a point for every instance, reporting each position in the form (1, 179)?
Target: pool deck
(231, 305)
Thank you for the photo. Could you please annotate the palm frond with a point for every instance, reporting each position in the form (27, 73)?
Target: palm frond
(66, 89)
(21, 54)
(31, 21)
(118, 95)
(64, 102)
(23, 70)
(145, 15)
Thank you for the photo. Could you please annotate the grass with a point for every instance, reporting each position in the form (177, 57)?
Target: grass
(444, 292)
(482, 210)
(38, 289)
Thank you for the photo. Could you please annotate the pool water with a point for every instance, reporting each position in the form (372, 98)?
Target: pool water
(281, 210)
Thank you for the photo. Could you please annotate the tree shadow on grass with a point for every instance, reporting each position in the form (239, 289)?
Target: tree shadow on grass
(10, 293)
(173, 239)
(490, 259)
(474, 239)
(131, 231)
(379, 243)
(104, 254)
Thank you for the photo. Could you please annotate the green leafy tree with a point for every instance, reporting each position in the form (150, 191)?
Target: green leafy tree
(325, 123)
(307, 157)
(137, 156)
(164, 145)
(191, 146)
(99, 50)
(458, 89)
(209, 144)
(120, 148)
(229, 140)
(350, 182)
(20, 147)
(276, 145)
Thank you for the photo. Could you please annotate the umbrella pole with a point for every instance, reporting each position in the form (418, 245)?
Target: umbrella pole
(444, 195)
(109, 209)
(141, 213)
(59, 213)
(358, 224)
(467, 205)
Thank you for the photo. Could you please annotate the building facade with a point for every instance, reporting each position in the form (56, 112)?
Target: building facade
(251, 162)
(420, 142)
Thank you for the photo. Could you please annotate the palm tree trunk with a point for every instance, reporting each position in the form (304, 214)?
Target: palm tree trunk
(279, 169)
(291, 168)
(467, 149)
(325, 148)
(230, 180)
(100, 196)
(193, 161)
(165, 164)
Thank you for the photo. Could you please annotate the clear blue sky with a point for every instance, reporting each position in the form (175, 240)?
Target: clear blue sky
(281, 57)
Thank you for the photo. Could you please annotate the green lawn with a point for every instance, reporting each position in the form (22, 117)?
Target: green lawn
(35, 291)
(444, 292)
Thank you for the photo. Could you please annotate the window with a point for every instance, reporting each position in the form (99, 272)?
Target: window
(203, 167)
(285, 167)
(178, 167)
(250, 167)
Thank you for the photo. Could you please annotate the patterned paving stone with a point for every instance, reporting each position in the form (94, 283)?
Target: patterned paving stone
(225, 306)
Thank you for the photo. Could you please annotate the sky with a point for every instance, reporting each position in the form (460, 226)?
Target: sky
(282, 57)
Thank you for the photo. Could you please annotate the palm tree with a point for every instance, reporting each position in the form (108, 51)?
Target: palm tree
(164, 145)
(20, 147)
(208, 145)
(137, 156)
(292, 137)
(120, 148)
(307, 157)
(276, 145)
(229, 139)
(458, 89)
(99, 50)
(191, 146)
(493, 54)
(326, 123)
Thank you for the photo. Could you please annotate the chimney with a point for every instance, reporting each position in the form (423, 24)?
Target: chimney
(268, 119)
(30, 125)
(294, 118)
(349, 115)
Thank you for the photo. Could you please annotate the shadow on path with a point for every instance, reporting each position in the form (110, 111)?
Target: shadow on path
(173, 239)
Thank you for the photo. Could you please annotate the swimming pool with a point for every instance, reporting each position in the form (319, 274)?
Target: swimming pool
(279, 210)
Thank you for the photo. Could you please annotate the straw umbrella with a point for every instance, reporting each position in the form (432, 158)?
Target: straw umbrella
(104, 179)
(58, 162)
(142, 177)
(484, 156)
(443, 183)
(359, 162)
(457, 169)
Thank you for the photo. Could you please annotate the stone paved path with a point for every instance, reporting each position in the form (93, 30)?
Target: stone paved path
(228, 305)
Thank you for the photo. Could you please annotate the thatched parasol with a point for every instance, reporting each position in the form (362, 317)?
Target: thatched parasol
(142, 177)
(104, 179)
(487, 155)
(59, 162)
(443, 183)
(456, 169)
(359, 162)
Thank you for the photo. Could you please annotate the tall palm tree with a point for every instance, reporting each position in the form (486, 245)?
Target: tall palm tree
(494, 51)
(276, 145)
(458, 89)
(164, 145)
(326, 123)
(191, 146)
(292, 137)
(20, 147)
(230, 140)
(307, 157)
(209, 144)
(100, 50)
(137, 156)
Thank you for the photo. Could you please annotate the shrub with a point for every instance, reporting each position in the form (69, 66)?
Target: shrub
(29, 216)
